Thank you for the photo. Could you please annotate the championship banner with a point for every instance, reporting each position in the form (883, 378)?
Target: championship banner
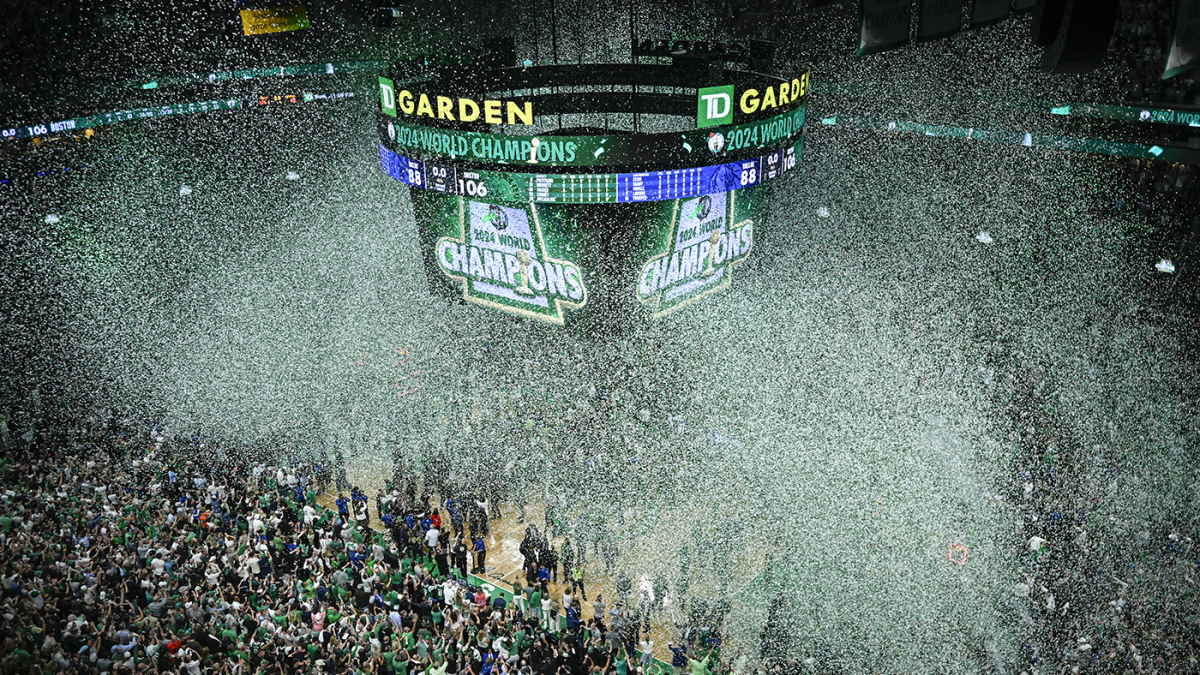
(515, 259)
(988, 12)
(274, 19)
(584, 267)
(695, 250)
(882, 25)
(938, 19)
(1185, 38)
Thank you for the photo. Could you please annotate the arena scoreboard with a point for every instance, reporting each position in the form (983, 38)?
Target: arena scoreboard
(592, 227)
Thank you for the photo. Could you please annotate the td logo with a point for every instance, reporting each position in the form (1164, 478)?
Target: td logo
(387, 96)
(714, 106)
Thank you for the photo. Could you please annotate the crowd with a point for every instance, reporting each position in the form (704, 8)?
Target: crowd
(123, 557)
(1093, 598)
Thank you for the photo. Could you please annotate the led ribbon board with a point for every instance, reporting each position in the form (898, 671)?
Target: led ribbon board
(462, 98)
(588, 188)
(585, 227)
(684, 149)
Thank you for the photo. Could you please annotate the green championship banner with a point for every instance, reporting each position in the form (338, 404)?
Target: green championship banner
(1184, 50)
(693, 251)
(882, 25)
(582, 265)
(938, 19)
(988, 12)
(500, 256)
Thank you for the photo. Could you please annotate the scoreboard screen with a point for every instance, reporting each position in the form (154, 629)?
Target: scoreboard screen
(589, 188)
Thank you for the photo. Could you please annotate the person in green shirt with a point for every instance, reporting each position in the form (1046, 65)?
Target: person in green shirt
(400, 662)
(439, 669)
(699, 667)
(22, 656)
(518, 640)
(535, 603)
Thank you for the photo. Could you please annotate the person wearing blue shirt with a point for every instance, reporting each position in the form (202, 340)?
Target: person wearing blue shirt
(455, 513)
(480, 556)
(343, 505)
(573, 621)
(679, 658)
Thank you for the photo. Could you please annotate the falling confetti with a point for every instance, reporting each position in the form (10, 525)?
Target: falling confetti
(1036, 402)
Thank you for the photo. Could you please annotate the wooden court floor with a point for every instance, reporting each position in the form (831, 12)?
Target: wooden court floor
(503, 566)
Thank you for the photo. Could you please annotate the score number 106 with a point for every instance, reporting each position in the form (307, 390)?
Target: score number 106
(471, 185)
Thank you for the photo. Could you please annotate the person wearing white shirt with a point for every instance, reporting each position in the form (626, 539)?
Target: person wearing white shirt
(500, 644)
(431, 538)
(191, 663)
(647, 659)
(212, 575)
(549, 616)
